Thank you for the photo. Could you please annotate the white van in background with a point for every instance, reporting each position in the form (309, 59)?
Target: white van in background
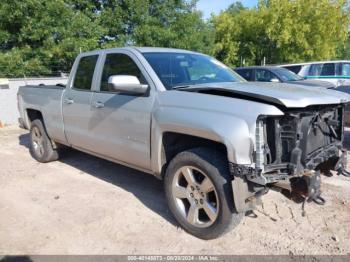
(336, 72)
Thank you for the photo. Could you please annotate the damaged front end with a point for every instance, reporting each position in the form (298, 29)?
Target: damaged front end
(291, 152)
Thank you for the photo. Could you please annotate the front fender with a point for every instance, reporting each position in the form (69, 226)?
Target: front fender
(227, 129)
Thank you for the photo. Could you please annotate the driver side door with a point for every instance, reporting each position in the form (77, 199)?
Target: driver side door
(121, 122)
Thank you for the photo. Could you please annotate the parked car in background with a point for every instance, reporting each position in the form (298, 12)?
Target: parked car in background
(336, 72)
(278, 74)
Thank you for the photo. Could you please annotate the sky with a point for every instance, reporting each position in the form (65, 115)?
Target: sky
(215, 6)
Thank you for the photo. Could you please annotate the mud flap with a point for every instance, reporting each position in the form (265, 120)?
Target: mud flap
(240, 193)
(246, 194)
(244, 199)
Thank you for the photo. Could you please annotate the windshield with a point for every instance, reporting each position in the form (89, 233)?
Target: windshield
(182, 69)
(287, 75)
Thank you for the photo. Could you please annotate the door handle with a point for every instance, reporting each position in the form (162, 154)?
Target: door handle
(68, 101)
(98, 104)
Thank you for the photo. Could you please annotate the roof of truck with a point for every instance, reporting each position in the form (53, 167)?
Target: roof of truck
(143, 50)
(160, 50)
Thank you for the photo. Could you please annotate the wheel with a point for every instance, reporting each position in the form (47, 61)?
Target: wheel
(199, 193)
(41, 147)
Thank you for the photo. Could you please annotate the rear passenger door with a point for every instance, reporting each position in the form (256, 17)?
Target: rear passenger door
(76, 103)
(121, 122)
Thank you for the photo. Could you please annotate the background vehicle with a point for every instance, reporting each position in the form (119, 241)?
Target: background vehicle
(277, 74)
(217, 141)
(336, 72)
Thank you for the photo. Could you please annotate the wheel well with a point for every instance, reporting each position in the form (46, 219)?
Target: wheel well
(34, 114)
(174, 143)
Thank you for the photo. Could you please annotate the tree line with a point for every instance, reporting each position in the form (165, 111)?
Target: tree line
(43, 37)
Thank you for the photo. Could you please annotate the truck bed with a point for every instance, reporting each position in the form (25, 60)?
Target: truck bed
(48, 100)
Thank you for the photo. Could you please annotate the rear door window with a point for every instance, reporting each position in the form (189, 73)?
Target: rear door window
(85, 72)
(327, 69)
(247, 74)
(315, 70)
(263, 75)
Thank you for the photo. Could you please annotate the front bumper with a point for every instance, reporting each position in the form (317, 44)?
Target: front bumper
(249, 184)
(324, 159)
(291, 149)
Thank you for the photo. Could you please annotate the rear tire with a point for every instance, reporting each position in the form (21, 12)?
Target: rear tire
(199, 193)
(41, 146)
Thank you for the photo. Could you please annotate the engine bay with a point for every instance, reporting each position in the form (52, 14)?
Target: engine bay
(302, 140)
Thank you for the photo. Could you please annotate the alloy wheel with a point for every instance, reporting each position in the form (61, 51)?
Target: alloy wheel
(37, 141)
(195, 196)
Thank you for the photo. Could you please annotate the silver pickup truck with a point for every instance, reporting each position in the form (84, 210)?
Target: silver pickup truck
(218, 142)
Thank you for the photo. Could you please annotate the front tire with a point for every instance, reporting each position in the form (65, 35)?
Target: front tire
(199, 193)
(41, 148)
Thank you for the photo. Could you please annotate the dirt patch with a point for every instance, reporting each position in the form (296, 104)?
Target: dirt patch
(85, 205)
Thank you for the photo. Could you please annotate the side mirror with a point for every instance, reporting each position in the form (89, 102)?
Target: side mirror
(126, 84)
(274, 80)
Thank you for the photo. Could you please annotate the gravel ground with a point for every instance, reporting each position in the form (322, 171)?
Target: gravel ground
(85, 205)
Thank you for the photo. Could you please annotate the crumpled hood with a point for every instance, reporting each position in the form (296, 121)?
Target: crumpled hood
(312, 82)
(288, 95)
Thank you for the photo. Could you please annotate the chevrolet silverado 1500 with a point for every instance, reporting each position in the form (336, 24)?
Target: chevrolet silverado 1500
(216, 141)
